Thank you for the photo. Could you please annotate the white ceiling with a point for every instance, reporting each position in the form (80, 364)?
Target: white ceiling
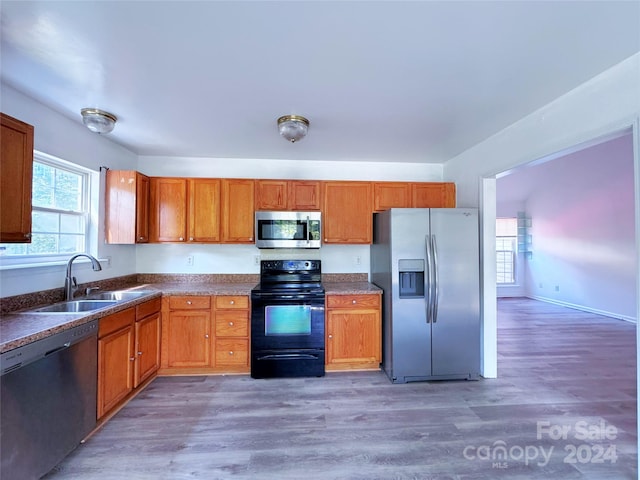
(417, 81)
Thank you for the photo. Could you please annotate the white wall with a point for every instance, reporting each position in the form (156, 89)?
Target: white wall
(583, 231)
(67, 139)
(607, 103)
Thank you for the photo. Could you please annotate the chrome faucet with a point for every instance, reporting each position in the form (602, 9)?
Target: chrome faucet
(70, 283)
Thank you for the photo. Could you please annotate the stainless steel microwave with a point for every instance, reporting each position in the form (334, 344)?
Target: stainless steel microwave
(288, 229)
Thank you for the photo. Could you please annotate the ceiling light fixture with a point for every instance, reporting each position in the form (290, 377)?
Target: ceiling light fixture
(98, 121)
(293, 127)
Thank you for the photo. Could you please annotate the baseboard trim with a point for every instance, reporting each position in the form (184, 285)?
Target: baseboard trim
(583, 308)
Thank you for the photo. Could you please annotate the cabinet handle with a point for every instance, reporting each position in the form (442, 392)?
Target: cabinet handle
(139, 353)
(191, 239)
(206, 335)
(330, 336)
(231, 324)
(132, 359)
(181, 239)
(353, 301)
(188, 302)
(231, 353)
(140, 238)
(27, 235)
(231, 302)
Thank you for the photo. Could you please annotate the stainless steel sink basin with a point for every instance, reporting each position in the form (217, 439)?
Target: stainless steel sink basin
(116, 295)
(74, 306)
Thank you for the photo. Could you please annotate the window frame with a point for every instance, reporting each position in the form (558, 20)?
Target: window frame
(88, 198)
(513, 251)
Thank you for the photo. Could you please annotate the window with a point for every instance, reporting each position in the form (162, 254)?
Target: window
(60, 215)
(506, 250)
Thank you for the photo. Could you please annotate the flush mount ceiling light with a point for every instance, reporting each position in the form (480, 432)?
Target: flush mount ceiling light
(293, 127)
(98, 121)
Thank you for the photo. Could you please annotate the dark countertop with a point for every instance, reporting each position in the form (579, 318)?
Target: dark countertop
(18, 329)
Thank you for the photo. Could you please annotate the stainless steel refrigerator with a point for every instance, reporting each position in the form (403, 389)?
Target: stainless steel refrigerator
(427, 260)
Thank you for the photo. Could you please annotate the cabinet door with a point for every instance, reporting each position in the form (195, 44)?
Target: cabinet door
(143, 191)
(189, 342)
(168, 220)
(271, 194)
(115, 368)
(204, 210)
(433, 195)
(388, 195)
(16, 175)
(304, 195)
(147, 348)
(237, 210)
(347, 213)
(126, 207)
(353, 336)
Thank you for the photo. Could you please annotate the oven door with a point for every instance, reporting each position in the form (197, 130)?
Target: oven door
(281, 322)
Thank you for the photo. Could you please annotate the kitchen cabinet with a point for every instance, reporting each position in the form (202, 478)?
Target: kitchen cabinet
(185, 210)
(115, 359)
(128, 353)
(353, 332)
(168, 219)
(16, 176)
(388, 195)
(127, 207)
(238, 207)
(347, 212)
(188, 331)
(231, 317)
(147, 341)
(433, 195)
(291, 195)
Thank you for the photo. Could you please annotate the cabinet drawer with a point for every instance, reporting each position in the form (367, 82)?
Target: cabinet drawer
(232, 301)
(116, 321)
(186, 302)
(232, 352)
(232, 324)
(353, 301)
(147, 308)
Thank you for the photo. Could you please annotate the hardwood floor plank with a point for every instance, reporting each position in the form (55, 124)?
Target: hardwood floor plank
(558, 366)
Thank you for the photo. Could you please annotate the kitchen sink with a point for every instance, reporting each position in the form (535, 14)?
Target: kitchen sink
(74, 306)
(118, 296)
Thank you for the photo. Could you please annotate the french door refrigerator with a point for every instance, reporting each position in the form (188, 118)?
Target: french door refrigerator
(426, 260)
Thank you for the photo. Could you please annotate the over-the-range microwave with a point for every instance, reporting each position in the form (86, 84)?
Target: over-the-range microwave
(288, 229)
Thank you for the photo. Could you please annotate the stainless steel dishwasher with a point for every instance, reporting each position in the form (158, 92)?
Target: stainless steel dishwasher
(47, 400)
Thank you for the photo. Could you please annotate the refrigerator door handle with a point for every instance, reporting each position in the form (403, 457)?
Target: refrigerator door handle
(436, 279)
(427, 278)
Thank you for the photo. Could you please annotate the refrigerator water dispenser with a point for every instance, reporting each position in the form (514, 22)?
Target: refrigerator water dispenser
(411, 281)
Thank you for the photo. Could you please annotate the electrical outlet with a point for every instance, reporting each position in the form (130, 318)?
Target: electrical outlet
(557, 288)
(190, 260)
(358, 260)
(256, 259)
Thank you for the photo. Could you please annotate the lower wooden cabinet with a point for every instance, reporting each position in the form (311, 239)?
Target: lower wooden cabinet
(353, 332)
(128, 353)
(205, 334)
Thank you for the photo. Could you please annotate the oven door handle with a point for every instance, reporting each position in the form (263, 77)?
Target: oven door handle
(287, 356)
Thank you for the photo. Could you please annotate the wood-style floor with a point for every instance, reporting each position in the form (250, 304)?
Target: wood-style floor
(561, 372)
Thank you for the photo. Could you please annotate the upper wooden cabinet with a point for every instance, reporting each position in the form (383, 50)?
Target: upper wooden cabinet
(388, 195)
(204, 210)
(16, 176)
(237, 210)
(347, 212)
(433, 195)
(287, 195)
(127, 207)
(185, 210)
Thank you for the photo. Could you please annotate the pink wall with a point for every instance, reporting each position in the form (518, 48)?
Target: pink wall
(583, 230)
